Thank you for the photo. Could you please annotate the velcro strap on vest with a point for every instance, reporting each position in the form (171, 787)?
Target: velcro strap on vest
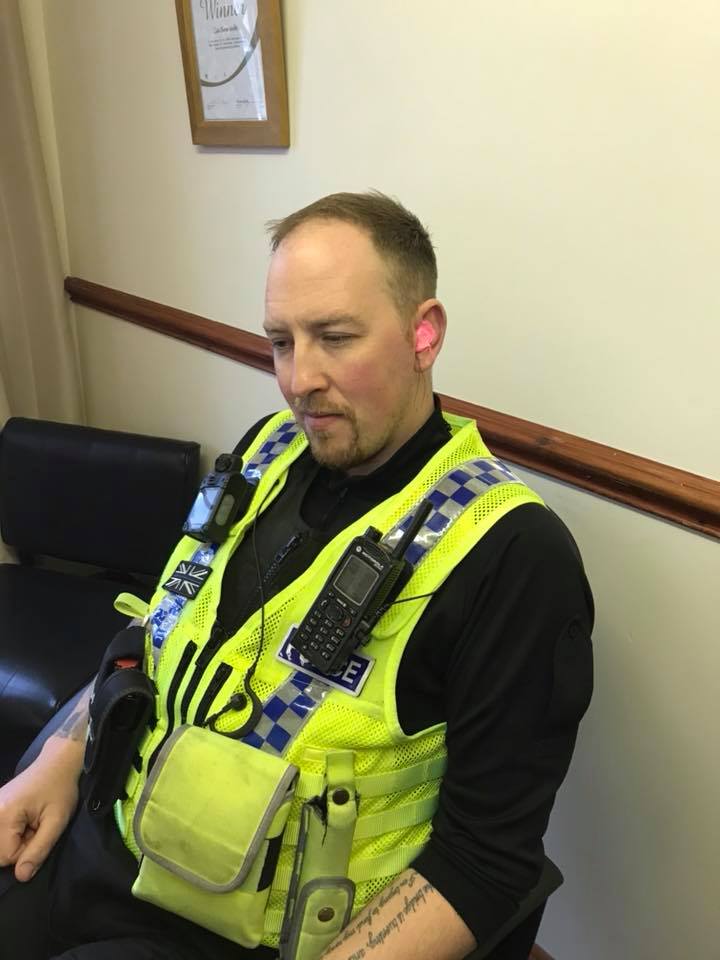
(375, 824)
(381, 784)
(386, 865)
(378, 784)
(398, 818)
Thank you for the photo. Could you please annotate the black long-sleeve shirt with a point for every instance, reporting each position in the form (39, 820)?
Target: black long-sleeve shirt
(502, 655)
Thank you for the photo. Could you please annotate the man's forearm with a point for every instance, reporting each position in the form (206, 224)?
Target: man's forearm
(408, 920)
(67, 743)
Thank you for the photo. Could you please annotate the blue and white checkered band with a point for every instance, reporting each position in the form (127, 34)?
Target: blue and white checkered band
(285, 712)
(451, 495)
(167, 613)
(278, 441)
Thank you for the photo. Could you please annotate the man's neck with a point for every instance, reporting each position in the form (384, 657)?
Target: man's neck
(328, 488)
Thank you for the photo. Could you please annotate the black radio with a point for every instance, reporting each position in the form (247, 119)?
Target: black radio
(362, 585)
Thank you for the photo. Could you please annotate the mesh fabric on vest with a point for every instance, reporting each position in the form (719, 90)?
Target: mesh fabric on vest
(365, 725)
(429, 574)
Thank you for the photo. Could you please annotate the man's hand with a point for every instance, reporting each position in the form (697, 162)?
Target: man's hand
(408, 920)
(36, 806)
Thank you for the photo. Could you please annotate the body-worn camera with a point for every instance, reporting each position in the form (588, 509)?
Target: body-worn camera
(363, 584)
(224, 495)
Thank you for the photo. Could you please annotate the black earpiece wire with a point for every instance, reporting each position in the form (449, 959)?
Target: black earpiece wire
(238, 701)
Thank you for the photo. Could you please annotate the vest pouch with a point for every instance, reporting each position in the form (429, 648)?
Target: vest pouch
(119, 714)
(321, 895)
(209, 824)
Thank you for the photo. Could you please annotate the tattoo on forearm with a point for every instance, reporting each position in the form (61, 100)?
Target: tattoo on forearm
(410, 906)
(75, 725)
(405, 895)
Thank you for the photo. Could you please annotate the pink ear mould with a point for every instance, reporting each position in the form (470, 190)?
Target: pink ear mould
(424, 336)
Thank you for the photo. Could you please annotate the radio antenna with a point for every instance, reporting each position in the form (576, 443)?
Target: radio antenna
(417, 521)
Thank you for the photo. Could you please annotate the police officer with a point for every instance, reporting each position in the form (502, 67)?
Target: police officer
(407, 796)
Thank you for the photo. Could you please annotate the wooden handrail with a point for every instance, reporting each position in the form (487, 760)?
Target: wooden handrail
(688, 499)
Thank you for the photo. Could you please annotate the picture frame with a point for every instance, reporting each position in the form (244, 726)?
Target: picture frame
(234, 66)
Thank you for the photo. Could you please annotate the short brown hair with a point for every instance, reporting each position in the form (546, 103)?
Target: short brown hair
(395, 232)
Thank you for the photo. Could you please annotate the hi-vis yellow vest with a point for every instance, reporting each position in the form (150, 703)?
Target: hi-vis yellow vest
(397, 777)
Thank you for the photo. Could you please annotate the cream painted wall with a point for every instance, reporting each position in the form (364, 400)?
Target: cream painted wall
(636, 827)
(565, 157)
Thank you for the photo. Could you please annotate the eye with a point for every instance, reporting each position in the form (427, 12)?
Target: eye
(279, 344)
(337, 339)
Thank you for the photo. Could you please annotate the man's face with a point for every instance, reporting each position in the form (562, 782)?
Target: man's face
(344, 357)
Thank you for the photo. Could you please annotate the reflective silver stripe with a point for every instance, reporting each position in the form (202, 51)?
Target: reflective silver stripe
(166, 614)
(285, 713)
(450, 497)
(278, 441)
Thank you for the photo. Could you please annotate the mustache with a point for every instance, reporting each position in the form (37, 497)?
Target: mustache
(312, 410)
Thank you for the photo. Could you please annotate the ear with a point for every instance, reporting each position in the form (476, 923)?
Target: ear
(429, 324)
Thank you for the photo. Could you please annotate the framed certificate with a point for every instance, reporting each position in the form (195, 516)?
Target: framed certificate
(232, 52)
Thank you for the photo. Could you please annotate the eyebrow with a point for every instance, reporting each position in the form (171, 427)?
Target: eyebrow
(318, 324)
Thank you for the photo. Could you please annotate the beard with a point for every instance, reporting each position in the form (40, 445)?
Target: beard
(337, 453)
(343, 447)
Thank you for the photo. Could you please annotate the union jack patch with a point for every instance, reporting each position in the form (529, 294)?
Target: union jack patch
(188, 579)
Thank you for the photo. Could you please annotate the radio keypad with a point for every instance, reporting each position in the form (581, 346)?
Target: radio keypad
(326, 625)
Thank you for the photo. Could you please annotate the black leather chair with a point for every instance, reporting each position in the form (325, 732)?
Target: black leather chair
(90, 513)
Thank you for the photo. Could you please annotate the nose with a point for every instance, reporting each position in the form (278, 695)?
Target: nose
(307, 374)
